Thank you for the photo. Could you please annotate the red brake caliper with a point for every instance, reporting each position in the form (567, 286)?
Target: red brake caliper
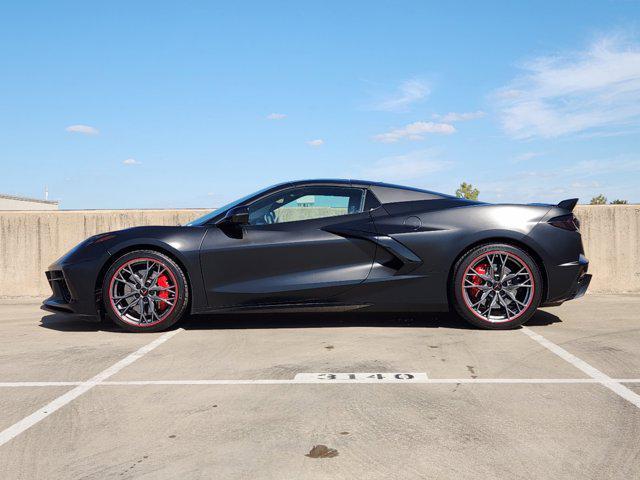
(163, 282)
(476, 280)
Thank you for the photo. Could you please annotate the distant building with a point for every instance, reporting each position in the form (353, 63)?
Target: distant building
(306, 201)
(12, 202)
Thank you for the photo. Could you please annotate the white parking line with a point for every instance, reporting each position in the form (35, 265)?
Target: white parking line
(602, 378)
(39, 415)
(426, 381)
(302, 381)
(596, 377)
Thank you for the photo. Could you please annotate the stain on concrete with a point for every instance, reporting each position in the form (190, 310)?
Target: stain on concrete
(598, 347)
(202, 409)
(132, 466)
(472, 371)
(322, 451)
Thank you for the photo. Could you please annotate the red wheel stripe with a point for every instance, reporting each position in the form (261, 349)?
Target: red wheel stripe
(524, 264)
(136, 260)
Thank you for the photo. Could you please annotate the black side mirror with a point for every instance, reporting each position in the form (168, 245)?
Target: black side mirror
(235, 216)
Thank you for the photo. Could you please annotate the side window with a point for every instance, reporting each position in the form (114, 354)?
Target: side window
(306, 203)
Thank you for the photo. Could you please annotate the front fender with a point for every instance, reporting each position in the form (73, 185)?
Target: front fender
(180, 243)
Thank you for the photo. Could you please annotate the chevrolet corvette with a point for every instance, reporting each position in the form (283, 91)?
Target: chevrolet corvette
(331, 245)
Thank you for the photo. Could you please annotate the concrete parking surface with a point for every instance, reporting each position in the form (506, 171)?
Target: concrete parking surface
(251, 396)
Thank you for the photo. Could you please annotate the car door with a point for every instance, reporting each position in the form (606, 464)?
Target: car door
(286, 253)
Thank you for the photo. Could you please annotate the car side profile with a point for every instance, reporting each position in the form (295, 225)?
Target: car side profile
(331, 245)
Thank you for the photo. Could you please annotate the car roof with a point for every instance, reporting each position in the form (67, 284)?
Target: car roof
(385, 192)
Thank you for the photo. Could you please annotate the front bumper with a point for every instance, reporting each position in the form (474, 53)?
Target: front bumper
(60, 300)
(73, 287)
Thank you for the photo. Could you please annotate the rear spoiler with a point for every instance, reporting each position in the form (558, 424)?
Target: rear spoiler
(568, 204)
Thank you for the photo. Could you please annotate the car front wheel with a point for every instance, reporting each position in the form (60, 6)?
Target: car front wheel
(497, 286)
(145, 291)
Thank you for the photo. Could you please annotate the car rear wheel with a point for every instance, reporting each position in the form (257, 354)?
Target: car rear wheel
(145, 291)
(496, 286)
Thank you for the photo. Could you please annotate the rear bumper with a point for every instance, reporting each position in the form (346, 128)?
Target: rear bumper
(583, 284)
(572, 280)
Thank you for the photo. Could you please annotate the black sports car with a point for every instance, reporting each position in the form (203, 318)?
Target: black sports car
(331, 245)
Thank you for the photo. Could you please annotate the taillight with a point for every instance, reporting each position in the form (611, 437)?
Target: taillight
(567, 222)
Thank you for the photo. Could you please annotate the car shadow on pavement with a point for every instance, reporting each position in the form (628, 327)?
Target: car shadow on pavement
(69, 323)
(65, 322)
(541, 318)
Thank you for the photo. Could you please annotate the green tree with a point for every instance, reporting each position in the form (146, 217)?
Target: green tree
(619, 202)
(599, 200)
(467, 191)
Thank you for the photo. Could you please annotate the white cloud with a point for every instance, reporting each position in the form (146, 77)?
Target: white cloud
(409, 92)
(415, 131)
(586, 168)
(131, 161)
(84, 129)
(459, 117)
(315, 143)
(598, 88)
(508, 93)
(526, 156)
(584, 179)
(582, 169)
(581, 185)
(411, 166)
(276, 116)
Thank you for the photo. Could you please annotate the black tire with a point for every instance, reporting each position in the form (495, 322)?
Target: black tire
(463, 291)
(165, 319)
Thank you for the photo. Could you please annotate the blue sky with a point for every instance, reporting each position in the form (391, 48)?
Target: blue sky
(192, 104)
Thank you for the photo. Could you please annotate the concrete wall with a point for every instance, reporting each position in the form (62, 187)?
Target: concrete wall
(611, 237)
(30, 241)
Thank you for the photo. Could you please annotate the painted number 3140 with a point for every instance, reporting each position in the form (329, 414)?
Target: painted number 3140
(362, 377)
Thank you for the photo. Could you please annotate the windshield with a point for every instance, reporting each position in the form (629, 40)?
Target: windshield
(211, 215)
